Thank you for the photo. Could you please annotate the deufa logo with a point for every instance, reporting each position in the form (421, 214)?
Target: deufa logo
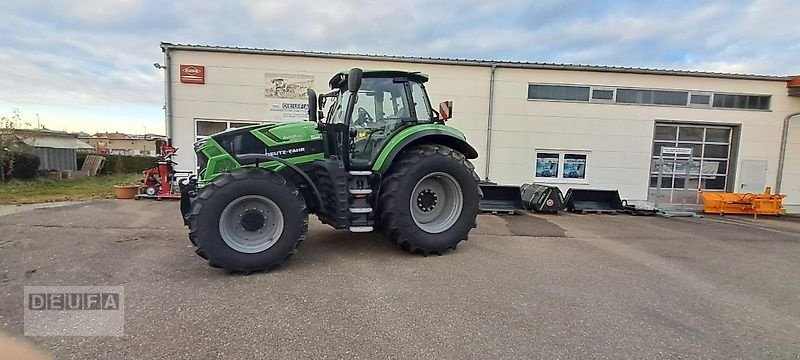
(193, 74)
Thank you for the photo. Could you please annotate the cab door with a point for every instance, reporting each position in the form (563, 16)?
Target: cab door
(382, 107)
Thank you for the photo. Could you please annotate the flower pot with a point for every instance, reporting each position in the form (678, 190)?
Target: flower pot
(126, 191)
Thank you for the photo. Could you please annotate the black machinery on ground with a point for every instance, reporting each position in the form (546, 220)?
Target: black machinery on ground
(549, 199)
(512, 198)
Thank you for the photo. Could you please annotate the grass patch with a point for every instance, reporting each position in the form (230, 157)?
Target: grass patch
(48, 190)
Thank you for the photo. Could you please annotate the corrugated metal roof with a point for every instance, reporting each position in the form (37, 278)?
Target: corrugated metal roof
(57, 142)
(472, 62)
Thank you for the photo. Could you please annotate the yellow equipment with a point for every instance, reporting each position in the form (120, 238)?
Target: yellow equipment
(737, 203)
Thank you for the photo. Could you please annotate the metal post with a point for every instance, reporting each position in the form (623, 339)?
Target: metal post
(660, 164)
(688, 166)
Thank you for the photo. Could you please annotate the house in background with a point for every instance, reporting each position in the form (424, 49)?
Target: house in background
(117, 143)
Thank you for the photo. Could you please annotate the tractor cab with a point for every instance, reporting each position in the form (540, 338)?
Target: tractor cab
(366, 109)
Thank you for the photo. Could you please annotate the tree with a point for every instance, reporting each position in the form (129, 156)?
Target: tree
(10, 141)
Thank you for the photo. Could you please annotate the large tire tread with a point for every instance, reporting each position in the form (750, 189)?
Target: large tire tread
(391, 223)
(208, 192)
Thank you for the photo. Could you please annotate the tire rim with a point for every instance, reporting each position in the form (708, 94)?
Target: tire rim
(436, 202)
(251, 224)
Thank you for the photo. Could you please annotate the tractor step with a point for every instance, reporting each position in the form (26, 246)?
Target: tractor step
(360, 229)
(360, 201)
(360, 191)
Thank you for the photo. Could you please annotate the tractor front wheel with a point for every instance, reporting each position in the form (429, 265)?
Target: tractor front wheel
(429, 201)
(248, 220)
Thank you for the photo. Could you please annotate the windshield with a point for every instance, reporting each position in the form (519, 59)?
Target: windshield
(381, 107)
(380, 100)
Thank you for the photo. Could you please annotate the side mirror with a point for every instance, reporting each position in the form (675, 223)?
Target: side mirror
(445, 110)
(354, 79)
(312, 105)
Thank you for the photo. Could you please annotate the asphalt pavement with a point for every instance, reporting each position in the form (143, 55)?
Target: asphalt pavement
(526, 286)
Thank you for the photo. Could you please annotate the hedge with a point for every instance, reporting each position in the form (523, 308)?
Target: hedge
(122, 164)
(24, 166)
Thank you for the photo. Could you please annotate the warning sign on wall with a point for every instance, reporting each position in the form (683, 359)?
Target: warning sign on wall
(193, 74)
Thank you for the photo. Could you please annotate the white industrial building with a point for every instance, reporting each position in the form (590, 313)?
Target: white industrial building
(569, 125)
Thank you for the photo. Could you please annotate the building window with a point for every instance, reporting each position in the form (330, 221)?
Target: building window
(561, 165)
(558, 92)
(700, 99)
(652, 97)
(547, 165)
(206, 128)
(574, 166)
(733, 101)
(682, 98)
(602, 94)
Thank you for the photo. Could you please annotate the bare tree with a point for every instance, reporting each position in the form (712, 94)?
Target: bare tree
(10, 141)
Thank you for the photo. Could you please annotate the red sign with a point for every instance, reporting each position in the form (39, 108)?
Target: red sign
(193, 74)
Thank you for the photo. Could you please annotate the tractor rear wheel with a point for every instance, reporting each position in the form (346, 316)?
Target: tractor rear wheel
(248, 220)
(429, 201)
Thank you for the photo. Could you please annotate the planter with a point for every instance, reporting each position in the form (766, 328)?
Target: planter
(126, 191)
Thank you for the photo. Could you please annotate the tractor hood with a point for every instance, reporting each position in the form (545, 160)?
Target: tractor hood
(291, 131)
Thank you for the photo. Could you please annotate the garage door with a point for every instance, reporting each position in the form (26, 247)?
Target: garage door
(712, 162)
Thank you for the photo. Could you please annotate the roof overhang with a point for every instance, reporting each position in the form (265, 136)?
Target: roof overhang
(165, 46)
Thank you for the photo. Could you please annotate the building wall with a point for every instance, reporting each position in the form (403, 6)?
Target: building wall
(235, 83)
(618, 137)
(56, 159)
(132, 147)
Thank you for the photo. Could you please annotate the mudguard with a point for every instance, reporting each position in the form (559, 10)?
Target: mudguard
(423, 134)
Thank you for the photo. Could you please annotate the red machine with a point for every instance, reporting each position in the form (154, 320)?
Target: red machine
(161, 180)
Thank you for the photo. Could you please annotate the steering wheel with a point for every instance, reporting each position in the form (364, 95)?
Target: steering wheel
(376, 125)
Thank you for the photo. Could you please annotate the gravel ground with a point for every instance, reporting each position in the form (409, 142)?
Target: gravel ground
(526, 286)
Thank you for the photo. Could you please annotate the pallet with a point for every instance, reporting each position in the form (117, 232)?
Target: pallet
(92, 165)
(499, 212)
(607, 212)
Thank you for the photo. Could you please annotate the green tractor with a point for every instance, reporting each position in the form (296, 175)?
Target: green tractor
(380, 158)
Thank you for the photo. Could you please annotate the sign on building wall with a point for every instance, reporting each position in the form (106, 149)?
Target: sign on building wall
(287, 86)
(289, 111)
(193, 74)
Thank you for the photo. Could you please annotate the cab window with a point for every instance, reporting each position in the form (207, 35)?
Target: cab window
(421, 106)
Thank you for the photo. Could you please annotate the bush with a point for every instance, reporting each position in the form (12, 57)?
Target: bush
(25, 166)
(122, 164)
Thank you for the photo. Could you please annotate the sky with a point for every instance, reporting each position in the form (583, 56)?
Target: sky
(88, 65)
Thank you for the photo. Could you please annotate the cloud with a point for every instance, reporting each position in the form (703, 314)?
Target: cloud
(98, 54)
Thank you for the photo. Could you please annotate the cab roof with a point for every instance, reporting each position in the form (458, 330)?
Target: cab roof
(340, 79)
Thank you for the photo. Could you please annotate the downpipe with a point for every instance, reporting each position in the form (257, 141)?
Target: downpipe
(782, 156)
(168, 93)
(489, 121)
